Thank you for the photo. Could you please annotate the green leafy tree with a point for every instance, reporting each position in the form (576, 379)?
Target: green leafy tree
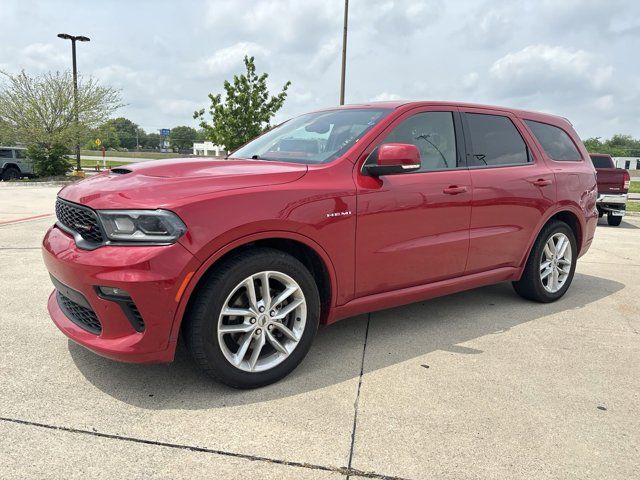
(126, 131)
(617, 146)
(49, 161)
(39, 110)
(246, 112)
(182, 137)
(152, 140)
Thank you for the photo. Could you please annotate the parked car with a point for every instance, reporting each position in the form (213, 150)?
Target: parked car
(14, 163)
(613, 187)
(244, 257)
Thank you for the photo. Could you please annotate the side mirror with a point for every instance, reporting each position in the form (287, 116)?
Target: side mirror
(394, 158)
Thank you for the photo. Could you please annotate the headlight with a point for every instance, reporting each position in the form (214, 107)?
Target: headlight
(145, 226)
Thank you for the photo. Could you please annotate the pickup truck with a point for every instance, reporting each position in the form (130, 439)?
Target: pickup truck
(613, 185)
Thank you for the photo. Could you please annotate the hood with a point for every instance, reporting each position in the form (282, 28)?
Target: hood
(166, 183)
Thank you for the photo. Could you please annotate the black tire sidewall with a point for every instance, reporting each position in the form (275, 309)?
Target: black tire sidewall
(10, 174)
(614, 220)
(202, 335)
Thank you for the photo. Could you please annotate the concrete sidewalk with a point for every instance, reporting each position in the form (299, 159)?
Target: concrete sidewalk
(478, 385)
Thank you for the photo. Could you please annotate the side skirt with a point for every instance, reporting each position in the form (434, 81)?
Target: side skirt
(395, 298)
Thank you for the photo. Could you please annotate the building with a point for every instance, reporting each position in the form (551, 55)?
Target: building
(628, 163)
(208, 149)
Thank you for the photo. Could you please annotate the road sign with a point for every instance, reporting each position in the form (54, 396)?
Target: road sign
(164, 132)
(98, 142)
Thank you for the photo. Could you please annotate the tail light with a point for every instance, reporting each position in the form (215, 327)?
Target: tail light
(627, 181)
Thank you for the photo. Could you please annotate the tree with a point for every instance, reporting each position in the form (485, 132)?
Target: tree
(152, 140)
(39, 110)
(246, 111)
(126, 131)
(182, 137)
(617, 146)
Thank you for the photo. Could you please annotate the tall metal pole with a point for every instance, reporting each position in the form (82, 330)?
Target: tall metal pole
(75, 104)
(74, 38)
(344, 51)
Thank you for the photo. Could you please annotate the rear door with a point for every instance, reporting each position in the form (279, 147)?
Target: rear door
(512, 188)
(413, 228)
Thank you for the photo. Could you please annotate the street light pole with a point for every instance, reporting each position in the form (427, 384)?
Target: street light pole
(344, 50)
(73, 39)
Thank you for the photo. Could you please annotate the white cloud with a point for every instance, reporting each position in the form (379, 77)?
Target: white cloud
(227, 59)
(385, 97)
(543, 68)
(44, 56)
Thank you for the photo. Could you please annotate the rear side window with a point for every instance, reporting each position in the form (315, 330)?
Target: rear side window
(495, 141)
(20, 154)
(555, 141)
(6, 153)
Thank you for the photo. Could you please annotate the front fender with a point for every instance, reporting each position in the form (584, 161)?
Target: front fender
(194, 278)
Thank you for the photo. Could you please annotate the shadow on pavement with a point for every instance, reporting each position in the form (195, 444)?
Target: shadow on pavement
(602, 222)
(439, 324)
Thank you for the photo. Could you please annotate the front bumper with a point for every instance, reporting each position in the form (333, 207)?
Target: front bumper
(614, 204)
(151, 275)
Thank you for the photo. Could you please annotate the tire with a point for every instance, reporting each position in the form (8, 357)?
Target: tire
(531, 285)
(206, 331)
(613, 220)
(10, 173)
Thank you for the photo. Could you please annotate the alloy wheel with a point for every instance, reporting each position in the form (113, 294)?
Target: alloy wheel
(555, 262)
(262, 321)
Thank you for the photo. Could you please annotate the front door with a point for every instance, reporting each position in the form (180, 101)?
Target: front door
(413, 228)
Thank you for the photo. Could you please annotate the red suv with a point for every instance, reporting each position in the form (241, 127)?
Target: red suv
(329, 215)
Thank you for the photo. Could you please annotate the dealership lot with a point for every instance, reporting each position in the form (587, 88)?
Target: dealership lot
(481, 384)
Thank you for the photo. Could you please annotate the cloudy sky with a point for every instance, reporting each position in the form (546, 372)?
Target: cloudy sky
(578, 59)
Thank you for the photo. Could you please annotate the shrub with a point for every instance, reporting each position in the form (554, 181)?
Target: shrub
(49, 161)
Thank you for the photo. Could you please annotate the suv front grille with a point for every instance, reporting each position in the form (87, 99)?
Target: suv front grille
(83, 317)
(79, 219)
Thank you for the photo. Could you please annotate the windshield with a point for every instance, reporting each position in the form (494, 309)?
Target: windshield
(313, 138)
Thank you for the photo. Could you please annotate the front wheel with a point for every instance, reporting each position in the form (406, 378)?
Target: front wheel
(614, 220)
(254, 319)
(551, 264)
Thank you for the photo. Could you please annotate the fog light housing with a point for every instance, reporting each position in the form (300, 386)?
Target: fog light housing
(114, 292)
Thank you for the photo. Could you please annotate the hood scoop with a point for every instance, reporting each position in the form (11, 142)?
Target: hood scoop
(120, 171)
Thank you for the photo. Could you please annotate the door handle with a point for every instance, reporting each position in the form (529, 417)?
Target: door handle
(454, 190)
(542, 182)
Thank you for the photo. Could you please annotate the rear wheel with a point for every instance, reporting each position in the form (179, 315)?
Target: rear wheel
(614, 220)
(10, 173)
(254, 319)
(551, 264)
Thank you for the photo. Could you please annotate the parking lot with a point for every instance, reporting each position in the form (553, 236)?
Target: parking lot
(481, 384)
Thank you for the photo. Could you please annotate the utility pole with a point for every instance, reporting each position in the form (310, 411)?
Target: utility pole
(73, 39)
(344, 50)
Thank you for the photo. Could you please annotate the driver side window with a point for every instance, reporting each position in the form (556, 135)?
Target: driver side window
(434, 135)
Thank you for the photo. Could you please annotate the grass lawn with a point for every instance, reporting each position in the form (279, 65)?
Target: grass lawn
(154, 155)
(635, 187)
(92, 163)
(633, 206)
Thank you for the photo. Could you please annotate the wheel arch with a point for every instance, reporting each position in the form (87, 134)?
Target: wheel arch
(567, 215)
(10, 165)
(312, 255)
